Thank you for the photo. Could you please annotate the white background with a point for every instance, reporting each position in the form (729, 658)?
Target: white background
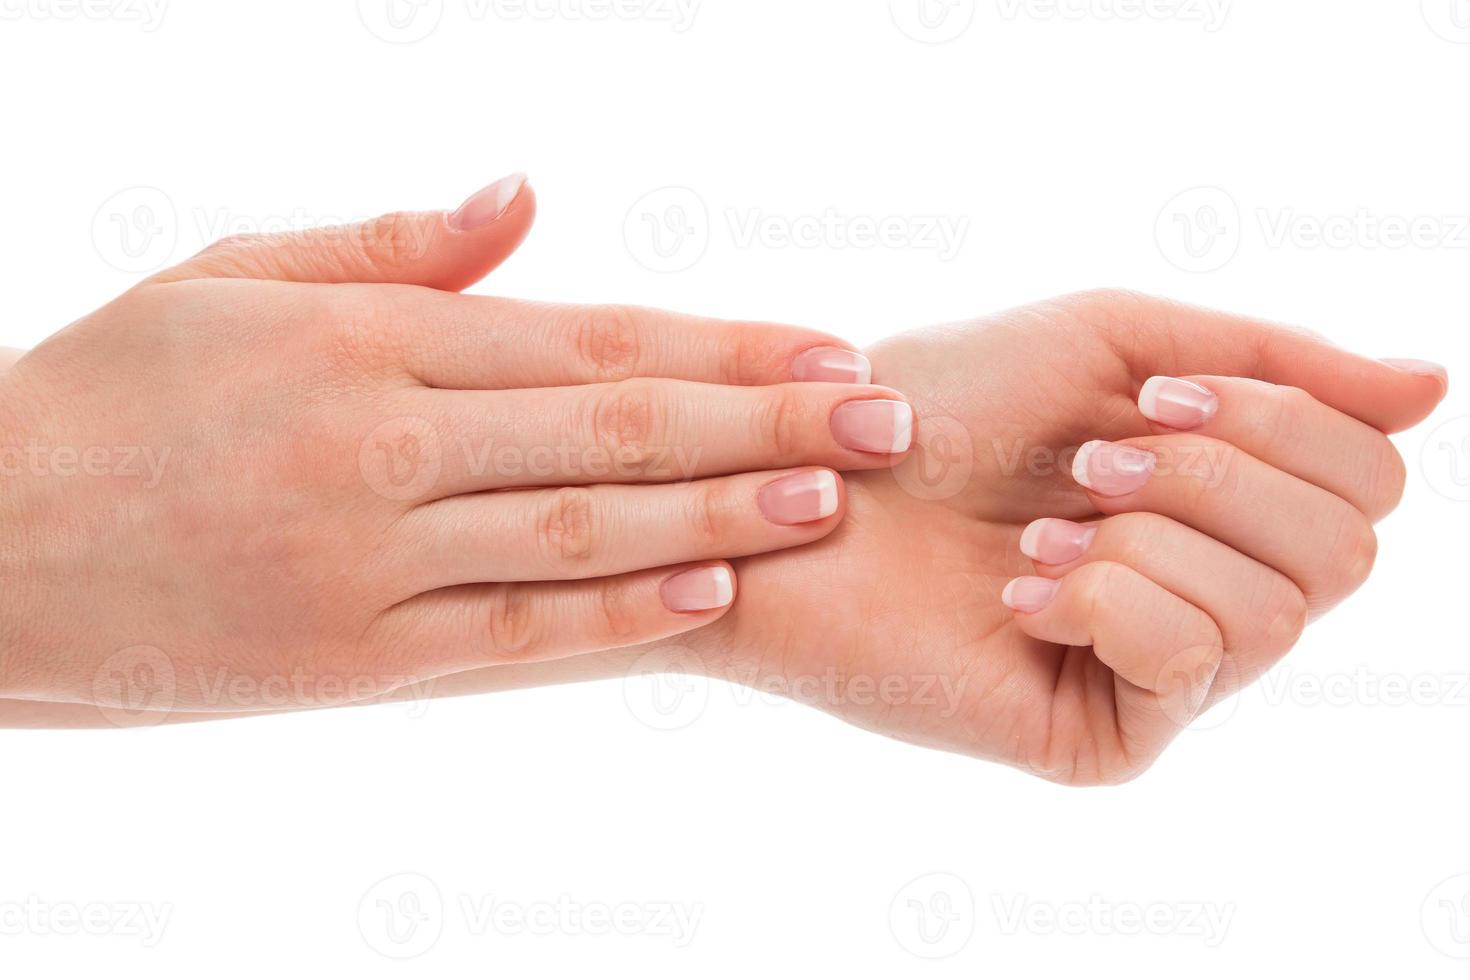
(1322, 816)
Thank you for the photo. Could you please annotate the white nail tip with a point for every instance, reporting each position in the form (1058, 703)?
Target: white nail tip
(723, 587)
(903, 427)
(1008, 594)
(1079, 464)
(1031, 537)
(509, 189)
(826, 494)
(1148, 397)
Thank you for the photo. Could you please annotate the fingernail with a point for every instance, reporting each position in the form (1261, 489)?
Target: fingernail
(874, 426)
(698, 590)
(1029, 594)
(1112, 470)
(832, 364)
(486, 205)
(799, 499)
(1177, 403)
(1415, 366)
(1053, 541)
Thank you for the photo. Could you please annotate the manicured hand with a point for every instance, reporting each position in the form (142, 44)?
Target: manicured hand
(1105, 526)
(305, 461)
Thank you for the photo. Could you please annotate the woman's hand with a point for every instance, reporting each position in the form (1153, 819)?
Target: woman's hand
(287, 466)
(996, 596)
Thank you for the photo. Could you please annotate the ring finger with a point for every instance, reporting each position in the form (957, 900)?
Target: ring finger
(590, 532)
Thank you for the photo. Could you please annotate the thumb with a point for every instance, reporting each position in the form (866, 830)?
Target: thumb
(439, 249)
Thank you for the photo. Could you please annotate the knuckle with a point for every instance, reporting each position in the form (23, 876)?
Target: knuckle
(564, 529)
(1134, 536)
(1287, 619)
(780, 421)
(510, 627)
(607, 342)
(617, 606)
(1359, 552)
(709, 516)
(388, 242)
(1388, 482)
(1098, 581)
(625, 422)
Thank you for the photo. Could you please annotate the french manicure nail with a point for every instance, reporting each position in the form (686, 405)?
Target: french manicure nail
(1111, 470)
(1053, 541)
(799, 499)
(484, 206)
(1177, 403)
(1029, 594)
(698, 589)
(1415, 366)
(874, 425)
(832, 364)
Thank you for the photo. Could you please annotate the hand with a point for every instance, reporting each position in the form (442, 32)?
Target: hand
(1186, 571)
(270, 470)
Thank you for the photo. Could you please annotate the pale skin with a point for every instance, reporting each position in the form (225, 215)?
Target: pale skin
(1182, 583)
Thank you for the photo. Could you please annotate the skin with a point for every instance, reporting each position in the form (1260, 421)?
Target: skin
(257, 472)
(895, 621)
